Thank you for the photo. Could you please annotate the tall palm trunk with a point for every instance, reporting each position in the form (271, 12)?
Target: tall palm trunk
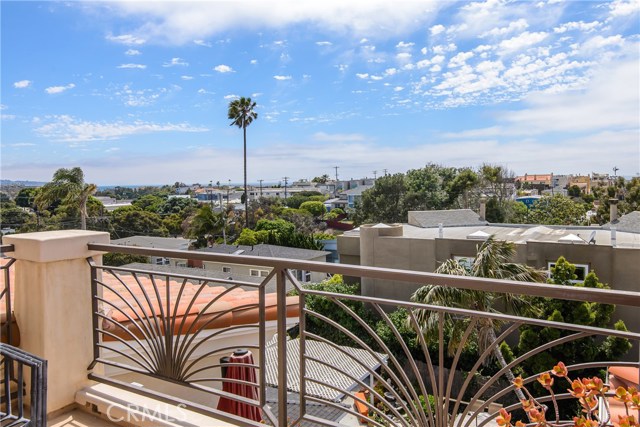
(495, 345)
(246, 195)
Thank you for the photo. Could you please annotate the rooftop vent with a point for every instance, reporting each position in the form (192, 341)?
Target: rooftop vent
(478, 235)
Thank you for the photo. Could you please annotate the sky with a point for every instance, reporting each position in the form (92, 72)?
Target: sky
(137, 92)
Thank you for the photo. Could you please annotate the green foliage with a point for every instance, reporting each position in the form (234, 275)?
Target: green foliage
(326, 307)
(557, 210)
(12, 216)
(149, 203)
(278, 226)
(129, 221)
(247, 237)
(26, 197)
(576, 312)
(321, 179)
(115, 259)
(68, 189)
(316, 209)
(206, 225)
(173, 224)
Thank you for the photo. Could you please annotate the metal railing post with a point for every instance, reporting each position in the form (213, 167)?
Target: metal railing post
(282, 347)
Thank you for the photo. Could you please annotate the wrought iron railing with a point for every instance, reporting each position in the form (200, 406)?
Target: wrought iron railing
(15, 409)
(20, 371)
(397, 374)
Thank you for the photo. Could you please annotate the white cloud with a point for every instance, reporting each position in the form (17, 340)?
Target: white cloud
(186, 77)
(132, 52)
(423, 50)
(624, 7)
(441, 48)
(423, 64)
(59, 89)
(405, 45)
(142, 97)
(376, 78)
(583, 27)
(132, 66)
(522, 41)
(231, 96)
(183, 22)
(362, 75)
(460, 59)
(176, 62)
(403, 57)
(278, 77)
(515, 26)
(127, 39)
(202, 43)
(22, 84)
(436, 29)
(390, 71)
(70, 129)
(223, 68)
(398, 88)
(599, 42)
(253, 62)
(324, 43)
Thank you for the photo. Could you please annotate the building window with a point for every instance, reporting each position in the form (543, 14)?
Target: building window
(226, 269)
(258, 273)
(181, 264)
(303, 275)
(581, 271)
(465, 261)
(162, 261)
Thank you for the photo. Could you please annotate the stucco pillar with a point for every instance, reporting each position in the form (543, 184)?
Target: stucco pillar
(53, 305)
(369, 235)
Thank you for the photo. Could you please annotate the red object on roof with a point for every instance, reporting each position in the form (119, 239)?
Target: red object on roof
(244, 373)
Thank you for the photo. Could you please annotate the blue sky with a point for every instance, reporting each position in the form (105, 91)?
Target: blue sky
(137, 92)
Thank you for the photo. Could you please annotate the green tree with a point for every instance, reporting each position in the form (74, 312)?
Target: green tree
(384, 202)
(242, 115)
(493, 260)
(206, 225)
(321, 179)
(173, 224)
(12, 216)
(149, 203)
(277, 226)
(557, 210)
(317, 209)
(67, 187)
(575, 312)
(26, 197)
(129, 221)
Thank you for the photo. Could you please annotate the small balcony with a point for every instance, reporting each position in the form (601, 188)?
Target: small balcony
(145, 347)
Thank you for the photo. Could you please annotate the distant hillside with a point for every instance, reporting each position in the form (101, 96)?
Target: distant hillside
(8, 182)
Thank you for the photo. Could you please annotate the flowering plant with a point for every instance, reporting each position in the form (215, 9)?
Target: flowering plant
(588, 391)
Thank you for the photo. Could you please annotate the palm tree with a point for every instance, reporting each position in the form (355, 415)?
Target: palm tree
(492, 261)
(242, 115)
(67, 187)
(207, 224)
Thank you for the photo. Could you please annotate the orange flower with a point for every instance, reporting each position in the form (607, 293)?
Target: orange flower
(504, 419)
(584, 422)
(545, 380)
(518, 382)
(520, 424)
(622, 395)
(577, 389)
(627, 421)
(537, 416)
(560, 370)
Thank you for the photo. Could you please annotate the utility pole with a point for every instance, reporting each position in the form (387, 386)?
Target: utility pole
(285, 186)
(261, 186)
(228, 187)
(385, 172)
(335, 186)
(210, 192)
(375, 175)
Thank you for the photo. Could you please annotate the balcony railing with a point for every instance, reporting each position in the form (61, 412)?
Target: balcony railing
(20, 371)
(156, 324)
